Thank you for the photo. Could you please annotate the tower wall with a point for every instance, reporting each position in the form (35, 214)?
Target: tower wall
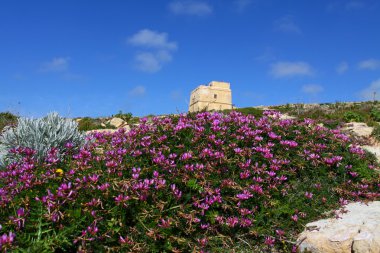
(214, 96)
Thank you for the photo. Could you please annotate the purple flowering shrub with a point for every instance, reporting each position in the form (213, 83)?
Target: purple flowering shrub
(203, 182)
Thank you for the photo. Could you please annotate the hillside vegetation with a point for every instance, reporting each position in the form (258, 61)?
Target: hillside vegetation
(206, 182)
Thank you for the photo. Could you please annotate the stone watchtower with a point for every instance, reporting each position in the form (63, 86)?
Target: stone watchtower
(214, 96)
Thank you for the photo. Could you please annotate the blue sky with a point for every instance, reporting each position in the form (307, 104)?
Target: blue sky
(94, 58)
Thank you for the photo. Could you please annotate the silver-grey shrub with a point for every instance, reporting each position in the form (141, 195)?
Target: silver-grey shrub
(41, 135)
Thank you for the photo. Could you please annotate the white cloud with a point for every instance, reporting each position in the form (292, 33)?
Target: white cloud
(289, 69)
(138, 91)
(267, 55)
(152, 39)
(287, 25)
(370, 64)
(241, 5)
(368, 92)
(312, 89)
(157, 50)
(73, 77)
(152, 62)
(342, 67)
(58, 64)
(190, 7)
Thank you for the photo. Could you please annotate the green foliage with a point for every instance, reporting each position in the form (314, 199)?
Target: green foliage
(128, 117)
(124, 116)
(86, 124)
(6, 119)
(375, 114)
(351, 116)
(153, 189)
(41, 135)
(334, 115)
(376, 132)
(258, 113)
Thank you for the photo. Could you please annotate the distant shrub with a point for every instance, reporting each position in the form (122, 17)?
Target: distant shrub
(258, 113)
(375, 114)
(331, 124)
(351, 116)
(251, 111)
(87, 124)
(124, 116)
(41, 135)
(376, 132)
(6, 119)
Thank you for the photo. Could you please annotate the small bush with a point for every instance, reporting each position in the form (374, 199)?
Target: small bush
(124, 116)
(41, 135)
(87, 124)
(351, 116)
(375, 114)
(331, 124)
(376, 132)
(258, 113)
(6, 119)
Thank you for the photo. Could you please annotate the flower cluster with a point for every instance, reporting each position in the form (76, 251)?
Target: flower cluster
(189, 182)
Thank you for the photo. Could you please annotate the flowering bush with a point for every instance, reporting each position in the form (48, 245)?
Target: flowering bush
(41, 135)
(197, 182)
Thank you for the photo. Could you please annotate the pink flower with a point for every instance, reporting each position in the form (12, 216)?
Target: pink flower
(164, 223)
(353, 174)
(244, 222)
(125, 240)
(232, 221)
(186, 156)
(309, 195)
(203, 241)
(245, 195)
(205, 226)
(269, 241)
(280, 232)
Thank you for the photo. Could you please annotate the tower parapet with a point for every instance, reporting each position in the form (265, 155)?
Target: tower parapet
(214, 96)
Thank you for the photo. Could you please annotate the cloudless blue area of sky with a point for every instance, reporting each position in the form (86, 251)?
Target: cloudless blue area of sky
(76, 56)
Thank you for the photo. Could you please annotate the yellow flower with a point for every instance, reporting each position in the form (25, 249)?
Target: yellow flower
(59, 172)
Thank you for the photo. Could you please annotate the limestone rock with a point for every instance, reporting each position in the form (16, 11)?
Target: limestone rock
(117, 122)
(359, 129)
(126, 127)
(286, 116)
(356, 231)
(374, 150)
(101, 131)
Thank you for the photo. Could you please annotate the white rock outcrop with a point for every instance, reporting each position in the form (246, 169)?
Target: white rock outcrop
(374, 150)
(101, 131)
(356, 231)
(358, 128)
(117, 122)
(126, 127)
(287, 116)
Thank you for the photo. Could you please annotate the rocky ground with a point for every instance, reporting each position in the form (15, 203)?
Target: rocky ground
(355, 230)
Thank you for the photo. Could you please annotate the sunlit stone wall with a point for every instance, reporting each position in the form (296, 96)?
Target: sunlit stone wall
(214, 96)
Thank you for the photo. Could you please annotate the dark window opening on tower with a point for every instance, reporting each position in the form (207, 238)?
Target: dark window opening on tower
(215, 96)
